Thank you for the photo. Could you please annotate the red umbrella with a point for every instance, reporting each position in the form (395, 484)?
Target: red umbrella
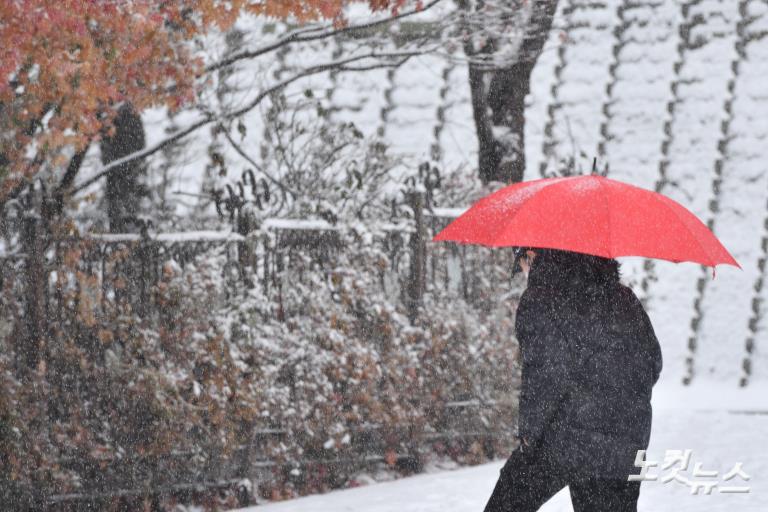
(589, 214)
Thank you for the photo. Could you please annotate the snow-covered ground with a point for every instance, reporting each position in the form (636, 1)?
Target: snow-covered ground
(721, 426)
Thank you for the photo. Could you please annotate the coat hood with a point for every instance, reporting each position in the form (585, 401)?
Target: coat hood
(568, 270)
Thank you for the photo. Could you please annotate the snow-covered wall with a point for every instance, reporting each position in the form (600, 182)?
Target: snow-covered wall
(677, 91)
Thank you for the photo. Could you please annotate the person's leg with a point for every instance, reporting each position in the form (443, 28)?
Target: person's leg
(604, 495)
(525, 483)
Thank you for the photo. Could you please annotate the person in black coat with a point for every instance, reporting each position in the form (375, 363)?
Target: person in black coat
(590, 359)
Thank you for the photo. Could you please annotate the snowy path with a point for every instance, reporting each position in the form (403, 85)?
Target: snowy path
(704, 420)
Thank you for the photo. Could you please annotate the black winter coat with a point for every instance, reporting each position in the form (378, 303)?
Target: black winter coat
(590, 358)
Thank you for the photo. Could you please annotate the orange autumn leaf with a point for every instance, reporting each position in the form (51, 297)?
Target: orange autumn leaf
(66, 66)
(390, 457)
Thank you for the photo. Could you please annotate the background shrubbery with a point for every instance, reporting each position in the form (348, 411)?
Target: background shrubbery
(183, 395)
(121, 401)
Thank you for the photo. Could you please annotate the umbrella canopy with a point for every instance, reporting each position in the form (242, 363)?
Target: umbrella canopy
(590, 214)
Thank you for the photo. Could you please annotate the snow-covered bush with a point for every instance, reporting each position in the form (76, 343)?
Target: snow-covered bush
(181, 394)
(160, 373)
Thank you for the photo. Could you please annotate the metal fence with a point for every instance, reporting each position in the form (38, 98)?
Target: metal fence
(367, 451)
(122, 268)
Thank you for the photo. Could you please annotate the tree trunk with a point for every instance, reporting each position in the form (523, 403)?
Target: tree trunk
(124, 193)
(417, 279)
(35, 326)
(124, 190)
(498, 100)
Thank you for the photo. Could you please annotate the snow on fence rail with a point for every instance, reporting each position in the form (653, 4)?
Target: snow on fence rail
(136, 260)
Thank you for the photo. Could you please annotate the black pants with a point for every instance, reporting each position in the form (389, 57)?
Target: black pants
(528, 480)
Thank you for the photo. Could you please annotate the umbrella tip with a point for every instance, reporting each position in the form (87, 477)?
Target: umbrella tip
(596, 172)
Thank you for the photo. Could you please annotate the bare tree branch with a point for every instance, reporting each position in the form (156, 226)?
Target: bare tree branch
(400, 58)
(150, 150)
(60, 192)
(300, 36)
(395, 64)
(251, 161)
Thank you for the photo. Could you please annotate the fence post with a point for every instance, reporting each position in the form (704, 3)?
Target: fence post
(246, 255)
(35, 281)
(417, 279)
(145, 263)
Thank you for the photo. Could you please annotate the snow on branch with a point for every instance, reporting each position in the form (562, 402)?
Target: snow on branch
(386, 59)
(308, 34)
